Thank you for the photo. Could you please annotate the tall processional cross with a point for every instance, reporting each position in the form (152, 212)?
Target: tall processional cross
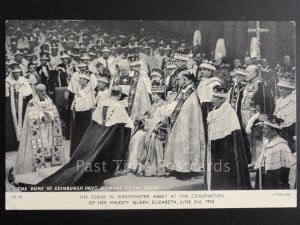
(258, 30)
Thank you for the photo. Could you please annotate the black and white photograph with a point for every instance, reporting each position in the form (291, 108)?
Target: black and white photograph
(150, 106)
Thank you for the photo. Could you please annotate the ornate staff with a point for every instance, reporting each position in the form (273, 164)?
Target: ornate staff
(258, 30)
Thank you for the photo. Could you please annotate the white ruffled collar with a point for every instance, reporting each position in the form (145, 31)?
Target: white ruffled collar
(287, 99)
(275, 141)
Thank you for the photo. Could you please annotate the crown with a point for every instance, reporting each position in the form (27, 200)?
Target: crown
(287, 79)
(208, 65)
(241, 71)
(86, 74)
(181, 54)
(220, 91)
(273, 121)
(156, 72)
(134, 60)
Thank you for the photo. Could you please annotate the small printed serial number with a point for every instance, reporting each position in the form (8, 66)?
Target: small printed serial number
(281, 194)
(16, 196)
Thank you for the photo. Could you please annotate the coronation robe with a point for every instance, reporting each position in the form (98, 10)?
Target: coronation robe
(146, 150)
(236, 96)
(286, 110)
(104, 143)
(32, 79)
(226, 161)
(73, 88)
(102, 95)
(274, 165)
(41, 140)
(204, 91)
(185, 146)
(139, 100)
(64, 73)
(17, 95)
(172, 84)
(256, 98)
(83, 103)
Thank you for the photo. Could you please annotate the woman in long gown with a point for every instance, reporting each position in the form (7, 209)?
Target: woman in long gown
(102, 150)
(152, 151)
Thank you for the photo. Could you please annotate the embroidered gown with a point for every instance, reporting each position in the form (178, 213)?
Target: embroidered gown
(286, 110)
(139, 100)
(146, 150)
(186, 139)
(226, 162)
(41, 140)
(274, 163)
(83, 103)
(204, 92)
(105, 141)
(17, 95)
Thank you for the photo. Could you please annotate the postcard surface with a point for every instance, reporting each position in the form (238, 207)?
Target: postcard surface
(150, 114)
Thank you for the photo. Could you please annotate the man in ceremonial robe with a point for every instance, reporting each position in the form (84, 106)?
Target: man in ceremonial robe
(235, 99)
(139, 100)
(21, 61)
(286, 108)
(276, 159)
(82, 106)
(181, 60)
(204, 89)
(103, 91)
(122, 78)
(185, 148)
(141, 148)
(170, 67)
(48, 78)
(41, 139)
(226, 160)
(255, 100)
(97, 159)
(17, 94)
(32, 77)
(64, 72)
(73, 88)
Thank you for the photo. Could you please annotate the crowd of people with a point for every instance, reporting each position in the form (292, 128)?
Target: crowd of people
(158, 106)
